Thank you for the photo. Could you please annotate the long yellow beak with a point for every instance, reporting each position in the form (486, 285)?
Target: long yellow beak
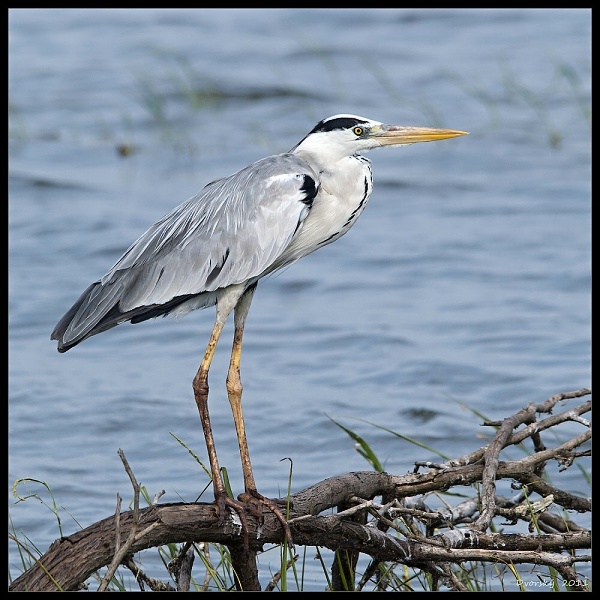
(391, 135)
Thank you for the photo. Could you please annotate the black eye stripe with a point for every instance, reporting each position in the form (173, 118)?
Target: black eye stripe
(339, 123)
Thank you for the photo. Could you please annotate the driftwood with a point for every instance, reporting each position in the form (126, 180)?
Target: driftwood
(400, 528)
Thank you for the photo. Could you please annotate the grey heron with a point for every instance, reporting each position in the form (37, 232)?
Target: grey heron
(214, 249)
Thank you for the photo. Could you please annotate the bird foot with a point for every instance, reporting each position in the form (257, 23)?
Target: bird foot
(251, 503)
(252, 497)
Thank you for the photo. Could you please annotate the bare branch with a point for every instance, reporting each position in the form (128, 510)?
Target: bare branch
(402, 528)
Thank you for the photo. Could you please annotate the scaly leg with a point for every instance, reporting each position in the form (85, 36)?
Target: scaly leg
(226, 304)
(200, 386)
(251, 497)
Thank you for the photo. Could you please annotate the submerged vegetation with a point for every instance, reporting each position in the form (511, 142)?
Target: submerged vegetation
(175, 93)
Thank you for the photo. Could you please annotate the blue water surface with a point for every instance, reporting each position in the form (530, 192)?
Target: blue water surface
(463, 290)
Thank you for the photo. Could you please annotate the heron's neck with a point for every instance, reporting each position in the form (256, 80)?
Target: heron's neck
(325, 161)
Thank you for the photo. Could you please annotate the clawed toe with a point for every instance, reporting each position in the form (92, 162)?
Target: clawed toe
(252, 497)
(252, 503)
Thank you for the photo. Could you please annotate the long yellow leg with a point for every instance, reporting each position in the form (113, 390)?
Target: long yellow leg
(234, 392)
(225, 305)
(200, 387)
(251, 501)
(234, 388)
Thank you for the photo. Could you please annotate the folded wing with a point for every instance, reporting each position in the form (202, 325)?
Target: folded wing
(230, 233)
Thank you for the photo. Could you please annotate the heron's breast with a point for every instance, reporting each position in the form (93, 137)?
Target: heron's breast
(342, 197)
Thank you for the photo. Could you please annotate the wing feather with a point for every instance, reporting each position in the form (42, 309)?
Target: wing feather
(232, 232)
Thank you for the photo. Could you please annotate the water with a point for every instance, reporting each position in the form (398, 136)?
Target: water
(466, 283)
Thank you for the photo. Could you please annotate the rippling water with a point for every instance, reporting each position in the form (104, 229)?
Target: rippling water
(466, 283)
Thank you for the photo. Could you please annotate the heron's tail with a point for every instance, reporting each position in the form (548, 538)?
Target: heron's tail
(95, 311)
(98, 309)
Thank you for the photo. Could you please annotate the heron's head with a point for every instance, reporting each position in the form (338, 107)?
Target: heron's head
(345, 135)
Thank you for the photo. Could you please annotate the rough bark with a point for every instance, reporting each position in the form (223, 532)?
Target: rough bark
(71, 560)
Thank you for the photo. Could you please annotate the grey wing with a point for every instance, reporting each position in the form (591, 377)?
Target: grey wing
(232, 232)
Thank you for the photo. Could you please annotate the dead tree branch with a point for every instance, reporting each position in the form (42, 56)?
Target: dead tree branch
(403, 528)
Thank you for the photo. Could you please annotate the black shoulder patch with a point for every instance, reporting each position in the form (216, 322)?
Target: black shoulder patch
(310, 189)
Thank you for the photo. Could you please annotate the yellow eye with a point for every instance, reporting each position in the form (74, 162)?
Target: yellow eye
(358, 131)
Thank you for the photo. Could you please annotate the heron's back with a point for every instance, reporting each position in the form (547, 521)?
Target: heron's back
(231, 233)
